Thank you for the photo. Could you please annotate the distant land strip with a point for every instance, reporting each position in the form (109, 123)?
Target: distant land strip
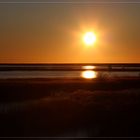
(69, 67)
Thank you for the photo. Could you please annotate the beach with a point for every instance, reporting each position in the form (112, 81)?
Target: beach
(70, 108)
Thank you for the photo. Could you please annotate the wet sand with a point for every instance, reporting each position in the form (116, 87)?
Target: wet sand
(70, 108)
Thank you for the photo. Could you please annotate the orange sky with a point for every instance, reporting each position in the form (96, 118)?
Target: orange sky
(52, 33)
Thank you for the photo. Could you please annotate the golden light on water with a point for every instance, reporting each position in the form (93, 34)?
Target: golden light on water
(89, 38)
(88, 67)
(89, 74)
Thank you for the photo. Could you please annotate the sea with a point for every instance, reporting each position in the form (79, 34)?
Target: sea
(89, 71)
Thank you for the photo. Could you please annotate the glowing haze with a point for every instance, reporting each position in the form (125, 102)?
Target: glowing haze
(53, 33)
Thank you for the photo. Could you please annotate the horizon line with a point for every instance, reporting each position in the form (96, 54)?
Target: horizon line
(77, 63)
(70, 2)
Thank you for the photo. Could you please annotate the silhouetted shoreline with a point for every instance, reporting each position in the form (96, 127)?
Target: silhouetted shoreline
(71, 108)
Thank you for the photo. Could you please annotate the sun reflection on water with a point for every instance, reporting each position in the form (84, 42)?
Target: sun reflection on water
(88, 67)
(89, 74)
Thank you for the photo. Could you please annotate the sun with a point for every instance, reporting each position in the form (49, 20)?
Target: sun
(89, 38)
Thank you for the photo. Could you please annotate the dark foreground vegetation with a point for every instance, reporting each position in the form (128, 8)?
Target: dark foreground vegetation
(70, 108)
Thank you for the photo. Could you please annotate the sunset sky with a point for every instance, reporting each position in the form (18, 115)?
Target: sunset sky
(53, 32)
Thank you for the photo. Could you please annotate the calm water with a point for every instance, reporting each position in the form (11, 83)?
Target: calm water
(67, 71)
